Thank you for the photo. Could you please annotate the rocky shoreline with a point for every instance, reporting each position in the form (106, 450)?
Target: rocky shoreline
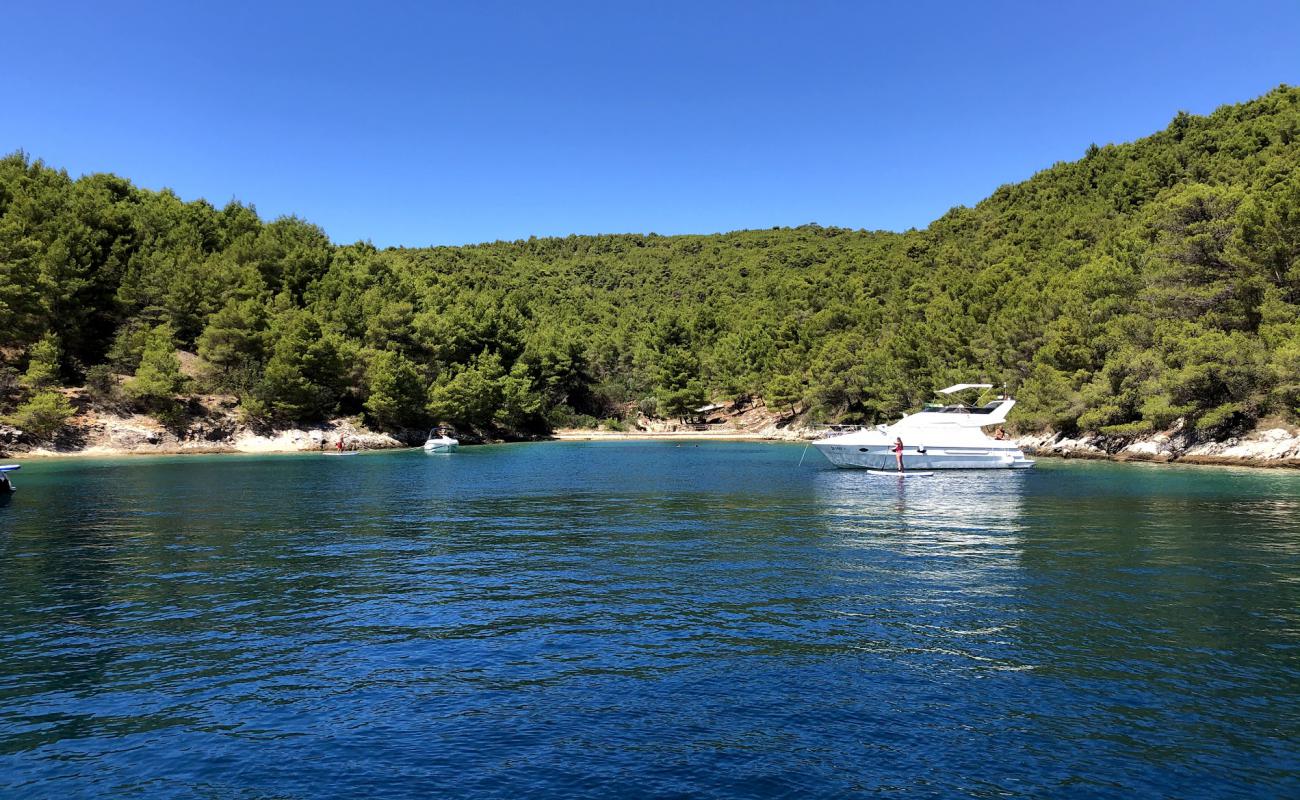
(220, 431)
(1265, 446)
(136, 434)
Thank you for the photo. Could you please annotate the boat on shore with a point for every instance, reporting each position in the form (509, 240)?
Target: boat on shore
(939, 436)
(7, 485)
(440, 441)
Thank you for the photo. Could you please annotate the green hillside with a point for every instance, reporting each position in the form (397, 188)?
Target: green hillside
(1143, 283)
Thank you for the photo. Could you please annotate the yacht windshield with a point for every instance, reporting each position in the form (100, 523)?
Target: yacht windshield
(987, 408)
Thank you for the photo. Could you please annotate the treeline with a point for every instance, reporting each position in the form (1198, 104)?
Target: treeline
(1144, 283)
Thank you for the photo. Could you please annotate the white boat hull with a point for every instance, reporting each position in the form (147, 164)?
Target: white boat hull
(441, 445)
(856, 456)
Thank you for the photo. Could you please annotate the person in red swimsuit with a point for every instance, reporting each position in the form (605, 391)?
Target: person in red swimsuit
(898, 452)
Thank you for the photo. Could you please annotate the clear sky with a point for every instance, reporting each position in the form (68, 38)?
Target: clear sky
(447, 123)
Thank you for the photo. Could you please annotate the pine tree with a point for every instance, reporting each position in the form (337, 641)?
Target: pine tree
(158, 379)
(42, 365)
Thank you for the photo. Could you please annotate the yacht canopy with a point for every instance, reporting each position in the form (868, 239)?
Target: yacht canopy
(958, 387)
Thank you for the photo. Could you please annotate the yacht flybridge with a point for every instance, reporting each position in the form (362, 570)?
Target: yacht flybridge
(939, 436)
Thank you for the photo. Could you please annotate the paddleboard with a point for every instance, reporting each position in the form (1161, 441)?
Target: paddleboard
(893, 473)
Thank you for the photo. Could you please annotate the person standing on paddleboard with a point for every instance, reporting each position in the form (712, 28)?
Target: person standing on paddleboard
(898, 452)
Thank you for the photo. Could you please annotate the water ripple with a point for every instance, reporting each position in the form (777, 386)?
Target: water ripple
(645, 621)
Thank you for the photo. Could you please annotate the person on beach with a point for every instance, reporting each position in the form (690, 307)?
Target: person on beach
(898, 452)
(340, 444)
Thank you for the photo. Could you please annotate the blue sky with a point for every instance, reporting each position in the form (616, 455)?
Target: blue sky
(431, 123)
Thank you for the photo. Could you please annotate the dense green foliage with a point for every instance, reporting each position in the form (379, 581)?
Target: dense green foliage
(1144, 283)
(43, 415)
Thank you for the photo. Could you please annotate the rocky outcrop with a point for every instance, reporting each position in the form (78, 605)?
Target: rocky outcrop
(11, 440)
(324, 437)
(218, 431)
(1271, 447)
(1266, 446)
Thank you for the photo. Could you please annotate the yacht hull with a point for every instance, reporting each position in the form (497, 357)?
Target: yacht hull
(853, 456)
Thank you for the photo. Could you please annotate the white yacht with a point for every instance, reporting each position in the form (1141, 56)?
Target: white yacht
(440, 442)
(936, 437)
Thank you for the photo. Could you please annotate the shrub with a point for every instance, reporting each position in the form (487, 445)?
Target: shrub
(42, 365)
(1106, 416)
(253, 411)
(43, 415)
(101, 383)
(1139, 428)
(565, 417)
(128, 346)
(1222, 418)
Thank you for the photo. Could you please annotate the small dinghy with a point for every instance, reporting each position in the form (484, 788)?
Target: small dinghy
(440, 442)
(7, 485)
(893, 473)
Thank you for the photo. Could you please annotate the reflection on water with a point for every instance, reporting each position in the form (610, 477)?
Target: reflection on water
(981, 508)
(937, 559)
(645, 619)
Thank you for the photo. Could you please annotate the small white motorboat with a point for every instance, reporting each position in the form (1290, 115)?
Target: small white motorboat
(939, 436)
(440, 442)
(7, 485)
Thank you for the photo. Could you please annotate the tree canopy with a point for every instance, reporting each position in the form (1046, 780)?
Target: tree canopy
(1143, 283)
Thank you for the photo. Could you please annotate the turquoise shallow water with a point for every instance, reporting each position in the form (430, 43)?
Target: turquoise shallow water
(645, 619)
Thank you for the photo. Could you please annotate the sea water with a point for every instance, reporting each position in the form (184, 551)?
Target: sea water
(645, 619)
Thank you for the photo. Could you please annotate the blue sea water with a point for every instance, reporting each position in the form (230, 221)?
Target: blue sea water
(645, 619)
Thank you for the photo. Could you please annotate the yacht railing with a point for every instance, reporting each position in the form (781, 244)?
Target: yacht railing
(823, 431)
